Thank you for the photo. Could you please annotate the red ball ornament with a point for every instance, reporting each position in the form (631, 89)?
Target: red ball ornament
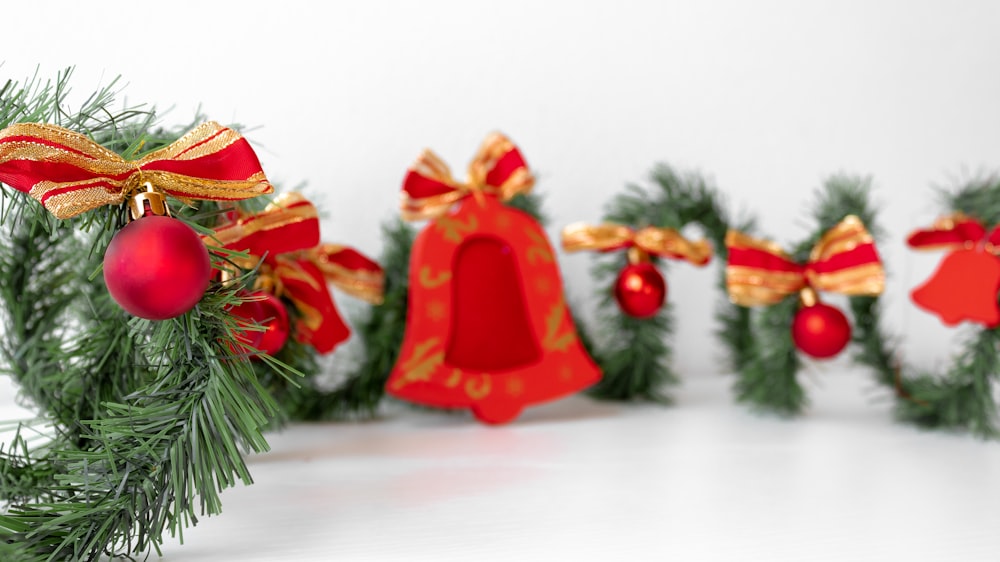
(274, 317)
(820, 330)
(246, 314)
(156, 267)
(640, 290)
(268, 312)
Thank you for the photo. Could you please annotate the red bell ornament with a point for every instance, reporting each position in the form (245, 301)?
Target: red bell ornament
(156, 267)
(487, 326)
(843, 261)
(966, 283)
(640, 289)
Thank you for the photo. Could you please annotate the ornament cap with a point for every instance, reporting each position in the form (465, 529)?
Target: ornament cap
(147, 200)
(808, 297)
(637, 255)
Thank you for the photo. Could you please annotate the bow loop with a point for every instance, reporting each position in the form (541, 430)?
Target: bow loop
(497, 169)
(844, 261)
(69, 173)
(663, 242)
(287, 224)
(955, 232)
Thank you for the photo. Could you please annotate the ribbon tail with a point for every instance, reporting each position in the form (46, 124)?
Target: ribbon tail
(318, 323)
(350, 271)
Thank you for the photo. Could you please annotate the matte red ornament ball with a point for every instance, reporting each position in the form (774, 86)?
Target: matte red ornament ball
(156, 267)
(640, 290)
(820, 330)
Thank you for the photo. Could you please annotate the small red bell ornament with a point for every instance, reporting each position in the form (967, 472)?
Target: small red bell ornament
(487, 327)
(156, 267)
(293, 268)
(844, 261)
(640, 289)
(966, 283)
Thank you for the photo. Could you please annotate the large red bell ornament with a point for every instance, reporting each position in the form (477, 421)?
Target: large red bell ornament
(964, 287)
(488, 327)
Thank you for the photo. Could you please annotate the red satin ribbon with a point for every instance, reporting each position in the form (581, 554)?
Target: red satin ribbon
(955, 232)
(69, 173)
(497, 169)
(286, 237)
(843, 261)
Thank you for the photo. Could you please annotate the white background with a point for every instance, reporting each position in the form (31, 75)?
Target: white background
(767, 98)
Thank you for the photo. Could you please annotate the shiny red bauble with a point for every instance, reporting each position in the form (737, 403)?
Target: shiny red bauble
(640, 290)
(820, 330)
(156, 267)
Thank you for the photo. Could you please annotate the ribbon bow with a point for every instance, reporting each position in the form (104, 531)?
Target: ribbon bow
(956, 232)
(843, 261)
(69, 174)
(664, 242)
(285, 238)
(497, 169)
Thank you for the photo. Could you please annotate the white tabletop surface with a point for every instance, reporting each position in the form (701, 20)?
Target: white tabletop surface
(703, 479)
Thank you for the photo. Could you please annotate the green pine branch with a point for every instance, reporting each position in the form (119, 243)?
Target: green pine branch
(963, 397)
(634, 354)
(765, 356)
(381, 332)
(140, 424)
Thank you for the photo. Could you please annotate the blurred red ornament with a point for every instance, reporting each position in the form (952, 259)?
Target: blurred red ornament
(820, 330)
(268, 312)
(487, 325)
(246, 314)
(964, 287)
(156, 267)
(640, 290)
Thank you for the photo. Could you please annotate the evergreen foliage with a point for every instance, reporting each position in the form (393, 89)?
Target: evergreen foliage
(140, 425)
(634, 354)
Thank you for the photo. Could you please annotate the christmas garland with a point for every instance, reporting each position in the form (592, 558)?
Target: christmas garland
(141, 424)
(765, 353)
(143, 417)
(963, 396)
(634, 351)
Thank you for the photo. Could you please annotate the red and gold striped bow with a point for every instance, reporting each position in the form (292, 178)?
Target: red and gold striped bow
(844, 261)
(285, 237)
(664, 242)
(497, 169)
(69, 174)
